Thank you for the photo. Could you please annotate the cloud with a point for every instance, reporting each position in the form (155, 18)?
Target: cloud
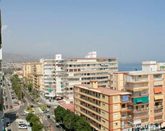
(4, 27)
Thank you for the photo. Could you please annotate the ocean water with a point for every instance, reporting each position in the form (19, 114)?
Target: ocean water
(129, 66)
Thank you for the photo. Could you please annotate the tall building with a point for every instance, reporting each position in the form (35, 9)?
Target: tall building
(84, 70)
(1, 78)
(59, 74)
(48, 78)
(28, 70)
(148, 95)
(105, 109)
(37, 75)
(1, 73)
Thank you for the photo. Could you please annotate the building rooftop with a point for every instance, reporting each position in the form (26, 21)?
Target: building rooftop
(145, 72)
(67, 106)
(103, 90)
(97, 58)
(140, 72)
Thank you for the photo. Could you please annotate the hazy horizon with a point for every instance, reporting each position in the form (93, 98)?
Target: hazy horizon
(131, 31)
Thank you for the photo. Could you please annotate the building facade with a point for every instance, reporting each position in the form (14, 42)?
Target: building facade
(148, 95)
(28, 70)
(37, 75)
(84, 70)
(1, 78)
(105, 109)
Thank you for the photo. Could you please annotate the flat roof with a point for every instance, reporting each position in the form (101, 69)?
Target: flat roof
(104, 90)
(145, 72)
(139, 72)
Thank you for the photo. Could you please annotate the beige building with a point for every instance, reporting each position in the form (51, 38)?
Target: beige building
(37, 75)
(28, 70)
(148, 95)
(33, 71)
(105, 109)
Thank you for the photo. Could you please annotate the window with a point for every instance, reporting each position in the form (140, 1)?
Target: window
(103, 96)
(123, 105)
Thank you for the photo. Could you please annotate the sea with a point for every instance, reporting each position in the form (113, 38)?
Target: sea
(129, 66)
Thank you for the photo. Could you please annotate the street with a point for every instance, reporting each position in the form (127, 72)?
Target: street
(15, 112)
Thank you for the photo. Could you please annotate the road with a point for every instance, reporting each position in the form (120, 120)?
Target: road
(8, 98)
(50, 124)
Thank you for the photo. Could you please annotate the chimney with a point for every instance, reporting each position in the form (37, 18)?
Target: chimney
(94, 84)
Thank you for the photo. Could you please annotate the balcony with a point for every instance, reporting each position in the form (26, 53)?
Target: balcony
(158, 107)
(137, 79)
(158, 112)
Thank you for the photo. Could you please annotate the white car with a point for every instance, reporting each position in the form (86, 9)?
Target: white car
(22, 126)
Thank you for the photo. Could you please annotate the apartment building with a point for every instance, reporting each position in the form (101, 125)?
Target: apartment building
(37, 75)
(32, 72)
(28, 70)
(48, 78)
(153, 66)
(148, 95)
(1, 73)
(59, 74)
(1, 79)
(105, 109)
(84, 70)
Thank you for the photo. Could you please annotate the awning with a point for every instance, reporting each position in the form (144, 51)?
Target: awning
(157, 89)
(141, 100)
(158, 97)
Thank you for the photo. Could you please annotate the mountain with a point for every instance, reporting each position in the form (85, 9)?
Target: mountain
(11, 57)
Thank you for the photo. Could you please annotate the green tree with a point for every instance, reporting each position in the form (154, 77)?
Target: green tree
(71, 121)
(60, 113)
(35, 122)
(16, 85)
(81, 125)
(30, 87)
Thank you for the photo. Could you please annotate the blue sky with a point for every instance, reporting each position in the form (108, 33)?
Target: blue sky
(130, 30)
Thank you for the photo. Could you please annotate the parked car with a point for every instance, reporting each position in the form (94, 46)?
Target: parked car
(22, 126)
(57, 125)
(7, 124)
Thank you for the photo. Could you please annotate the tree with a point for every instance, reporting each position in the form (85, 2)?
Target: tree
(35, 122)
(16, 85)
(30, 86)
(60, 113)
(71, 121)
(82, 125)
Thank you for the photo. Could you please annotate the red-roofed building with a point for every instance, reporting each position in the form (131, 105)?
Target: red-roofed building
(67, 106)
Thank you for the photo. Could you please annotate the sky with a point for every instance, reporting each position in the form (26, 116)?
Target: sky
(130, 30)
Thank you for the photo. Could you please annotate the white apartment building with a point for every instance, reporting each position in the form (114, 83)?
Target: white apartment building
(85, 70)
(60, 75)
(153, 66)
(48, 77)
(59, 63)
